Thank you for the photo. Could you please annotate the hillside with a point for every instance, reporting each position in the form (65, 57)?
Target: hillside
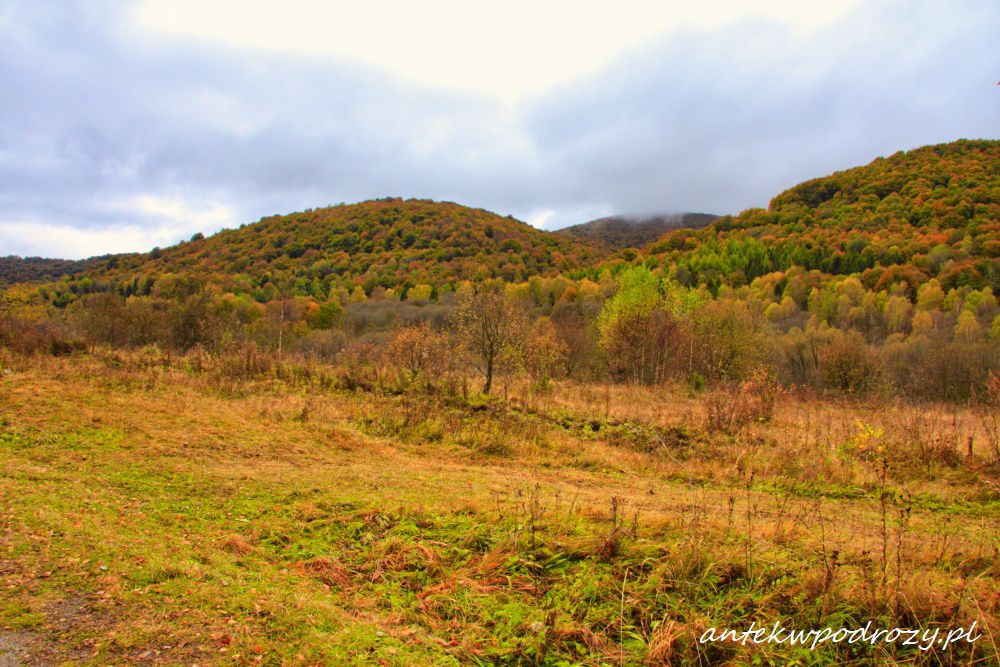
(39, 269)
(381, 243)
(634, 231)
(932, 212)
(595, 467)
(929, 212)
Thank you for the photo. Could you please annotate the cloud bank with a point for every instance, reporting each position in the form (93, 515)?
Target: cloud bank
(118, 134)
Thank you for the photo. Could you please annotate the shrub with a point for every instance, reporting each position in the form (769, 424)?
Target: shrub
(544, 353)
(639, 335)
(418, 351)
(734, 407)
(361, 365)
(931, 368)
(37, 337)
(987, 408)
(728, 340)
(102, 318)
(848, 364)
(574, 326)
(246, 363)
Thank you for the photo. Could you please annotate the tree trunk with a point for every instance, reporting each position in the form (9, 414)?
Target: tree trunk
(281, 326)
(489, 375)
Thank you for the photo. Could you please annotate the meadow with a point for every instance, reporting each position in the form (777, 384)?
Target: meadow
(165, 508)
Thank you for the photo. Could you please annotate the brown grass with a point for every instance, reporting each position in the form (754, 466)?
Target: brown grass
(799, 491)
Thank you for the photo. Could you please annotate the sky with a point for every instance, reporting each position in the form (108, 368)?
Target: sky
(130, 125)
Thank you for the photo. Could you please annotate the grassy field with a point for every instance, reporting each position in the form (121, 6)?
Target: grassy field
(158, 510)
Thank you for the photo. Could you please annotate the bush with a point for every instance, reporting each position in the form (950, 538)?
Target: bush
(848, 364)
(419, 352)
(361, 365)
(245, 364)
(24, 336)
(798, 356)
(931, 368)
(728, 340)
(641, 338)
(696, 382)
(987, 409)
(734, 407)
(544, 353)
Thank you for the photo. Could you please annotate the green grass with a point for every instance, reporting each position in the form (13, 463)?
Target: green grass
(234, 531)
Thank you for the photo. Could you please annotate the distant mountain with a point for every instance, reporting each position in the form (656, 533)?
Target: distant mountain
(634, 231)
(15, 269)
(380, 243)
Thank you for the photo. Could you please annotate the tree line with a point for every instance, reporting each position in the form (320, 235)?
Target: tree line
(637, 326)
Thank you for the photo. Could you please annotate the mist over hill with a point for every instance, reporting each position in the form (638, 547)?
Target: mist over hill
(931, 212)
(635, 230)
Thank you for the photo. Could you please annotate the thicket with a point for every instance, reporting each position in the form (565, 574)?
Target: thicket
(637, 327)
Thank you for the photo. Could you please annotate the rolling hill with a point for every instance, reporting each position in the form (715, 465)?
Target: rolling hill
(634, 231)
(380, 243)
(932, 212)
(40, 269)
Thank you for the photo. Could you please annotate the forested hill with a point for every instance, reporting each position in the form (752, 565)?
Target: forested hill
(932, 212)
(381, 243)
(929, 212)
(635, 231)
(39, 269)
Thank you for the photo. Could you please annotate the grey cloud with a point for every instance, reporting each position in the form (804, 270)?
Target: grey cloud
(723, 124)
(697, 120)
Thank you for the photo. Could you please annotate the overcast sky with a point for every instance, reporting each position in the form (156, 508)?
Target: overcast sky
(128, 125)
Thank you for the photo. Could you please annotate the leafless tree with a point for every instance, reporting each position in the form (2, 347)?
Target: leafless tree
(490, 324)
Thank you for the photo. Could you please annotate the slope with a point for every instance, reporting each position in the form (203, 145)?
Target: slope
(634, 231)
(932, 212)
(15, 269)
(380, 243)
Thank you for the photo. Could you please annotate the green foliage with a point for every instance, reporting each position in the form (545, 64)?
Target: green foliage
(638, 295)
(728, 340)
(928, 212)
(382, 243)
(420, 293)
(637, 330)
(326, 315)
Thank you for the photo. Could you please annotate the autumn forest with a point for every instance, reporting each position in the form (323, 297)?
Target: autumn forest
(414, 432)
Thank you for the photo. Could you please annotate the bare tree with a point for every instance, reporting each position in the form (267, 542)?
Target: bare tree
(282, 307)
(490, 324)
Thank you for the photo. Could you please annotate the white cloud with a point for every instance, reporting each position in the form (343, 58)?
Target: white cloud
(142, 222)
(66, 241)
(564, 215)
(502, 49)
(538, 218)
(177, 212)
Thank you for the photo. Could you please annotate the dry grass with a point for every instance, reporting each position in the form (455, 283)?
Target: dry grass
(271, 513)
